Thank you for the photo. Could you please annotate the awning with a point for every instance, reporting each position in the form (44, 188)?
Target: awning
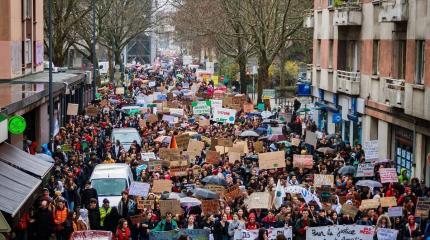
(23, 160)
(324, 106)
(16, 187)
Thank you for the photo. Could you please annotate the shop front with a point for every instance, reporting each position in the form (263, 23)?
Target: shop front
(403, 142)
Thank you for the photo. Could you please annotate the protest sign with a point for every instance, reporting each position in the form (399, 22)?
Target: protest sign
(145, 204)
(271, 160)
(215, 188)
(323, 179)
(222, 150)
(386, 233)
(349, 209)
(216, 103)
(248, 107)
(210, 206)
(423, 207)
(259, 200)
(162, 185)
(66, 148)
(369, 204)
(258, 147)
(233, 192)
(177, 111)
(212, 157)
(72, 109)
(195, 148)
(388, 201)
(311, 138)
(201, 107)
(170, 119)
(139, 189)
(224, 115)
(182, 141)
(295, 142)
(173, 206)
(233, 157)
(388, 175)
(194, 234)
(137, 218)
(170, 154)
(92, 111)
(152, 118)
(272, 233)
(154, 166)
(178, 171)
(336, 232)
(371, 150)
(395, 211)
(303, 161)
(226, 142)
(119, 91)
(365, 170)
(240, 147)
(146, 156)
(285, 117)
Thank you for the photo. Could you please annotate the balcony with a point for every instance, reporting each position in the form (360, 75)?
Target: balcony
(309, 20)
(394, 92)
(348, 14)
(394, 11)
(348, 82)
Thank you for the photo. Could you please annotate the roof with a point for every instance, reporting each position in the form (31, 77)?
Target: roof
(124, 130)
(15, 188)
(29, 163)
(110, 170)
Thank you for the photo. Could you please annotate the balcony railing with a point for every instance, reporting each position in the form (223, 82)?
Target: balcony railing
(348, 82)
(394, 92)
(394, 11)
(348, 13)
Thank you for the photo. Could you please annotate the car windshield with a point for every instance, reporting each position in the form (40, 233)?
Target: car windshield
(126, 137)
(109, 186)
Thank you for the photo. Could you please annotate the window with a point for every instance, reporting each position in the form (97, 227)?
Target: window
(318, 53)
(399, 59)
(330, 54)
(330, 3)
(26, 9)
(375, 59)
(420, 62)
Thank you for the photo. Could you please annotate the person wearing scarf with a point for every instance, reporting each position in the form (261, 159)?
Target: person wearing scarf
(412, 229)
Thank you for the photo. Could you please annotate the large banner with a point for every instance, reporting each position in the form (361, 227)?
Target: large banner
(337, 232)
(195, 234)
(224, 115)
(253, 234)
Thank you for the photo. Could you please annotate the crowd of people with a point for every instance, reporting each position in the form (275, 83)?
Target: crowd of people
(69, 203)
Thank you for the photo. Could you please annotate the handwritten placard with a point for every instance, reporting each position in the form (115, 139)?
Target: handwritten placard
(259, 200)
(72, 109)
(388, 201)
(178, 171)
(212, 157)
(369, 204)
(323, 179)
(182, 141)
(225, 142)
(423, 207)
(173, 206)
(386, 233)
(233, 157)
(336, 232)
(136, 219)
(271, 160)
(92, 111)
(303, 161)
(233, 192)
(388, 175)
(258, 147)
(311, 138)
(210, 206)
(395, 211)
(365, 170)
(145, 204)
(371, 150)
(349, 209)
(162, 185)
(139, 189)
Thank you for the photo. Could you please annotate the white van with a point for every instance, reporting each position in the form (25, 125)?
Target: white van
(110, 179)
(126, 136)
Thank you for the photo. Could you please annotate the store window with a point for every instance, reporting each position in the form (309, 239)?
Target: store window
(403, 149)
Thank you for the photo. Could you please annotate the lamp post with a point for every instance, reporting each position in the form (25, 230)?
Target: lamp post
(51, 99)
(93, 48)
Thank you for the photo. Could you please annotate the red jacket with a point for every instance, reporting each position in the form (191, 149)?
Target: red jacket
(123, 235)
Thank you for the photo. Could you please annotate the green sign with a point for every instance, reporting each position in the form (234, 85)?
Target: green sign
(16, 125)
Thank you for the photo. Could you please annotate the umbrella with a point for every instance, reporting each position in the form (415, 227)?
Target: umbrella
(345, 170)
(326, 150)
(266, 114)
(369, 183)
(249, 133)
(305, 109)
(205, 193)
(286, 143)
(214, 180)
(189, 202)
(277, 138)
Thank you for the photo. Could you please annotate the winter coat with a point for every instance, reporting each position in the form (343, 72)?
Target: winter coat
(94, 218)
(162, 224)
(131, 206)
(220, 232)
(86, 195)
(44, 223)
(123, 235)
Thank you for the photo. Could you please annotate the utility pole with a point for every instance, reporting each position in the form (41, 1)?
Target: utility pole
(51, 97)
(93, 3)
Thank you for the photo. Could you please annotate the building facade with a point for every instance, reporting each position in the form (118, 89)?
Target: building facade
(371, 76)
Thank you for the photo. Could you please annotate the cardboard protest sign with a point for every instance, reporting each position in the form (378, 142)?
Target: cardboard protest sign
(388, 175)
(170, 154)
(271, 160)
(371, 152)
(220, 190)
(119, 91)
(212, 157)
(137, 218)
(240, 147)
(147, 156)
(248, 107)
(139, 189)
(222, 150)
(233, 157)
(323, 179)
(182, 141)
(386, 233)
(210, 206)
(195, 147)
(178, 171)
(173, 206)
(336, 232)
(204, 123)
(152, 118)
(145, 204)
(155, 166)
(72, 109)
(295, 142)
(201, 107)
(311, 138)
(365, 170)
(258, 147)
(225, 142)
(349, 209)
(162, 185)
(423, 207)
(224, 115)
(92, 111)
(395, 211)
(233, 192)
(259, 200)
(303, 161)
(170, 119)
(227, 100)
(388, 201)
(369, 204)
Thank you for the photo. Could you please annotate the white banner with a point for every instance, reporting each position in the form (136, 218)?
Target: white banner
(386, 233)
(177, 111)
(337, 232)
(216, 103)
(371, 150)
(224, 115)
(273, 232)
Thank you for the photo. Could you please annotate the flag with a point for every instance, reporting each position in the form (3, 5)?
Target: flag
(279, 195)
(173, 143)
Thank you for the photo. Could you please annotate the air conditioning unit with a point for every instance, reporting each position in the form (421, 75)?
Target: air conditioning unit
(88, 77)
(27, 51)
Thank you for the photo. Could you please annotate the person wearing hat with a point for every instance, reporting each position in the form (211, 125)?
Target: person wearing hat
(104, 211)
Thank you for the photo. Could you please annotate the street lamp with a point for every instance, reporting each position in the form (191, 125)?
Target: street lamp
(51, 99)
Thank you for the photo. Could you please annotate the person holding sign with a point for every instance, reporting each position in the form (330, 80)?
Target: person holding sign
(166, 224)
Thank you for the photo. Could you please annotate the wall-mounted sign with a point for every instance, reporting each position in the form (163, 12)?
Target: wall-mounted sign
(17, 124)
